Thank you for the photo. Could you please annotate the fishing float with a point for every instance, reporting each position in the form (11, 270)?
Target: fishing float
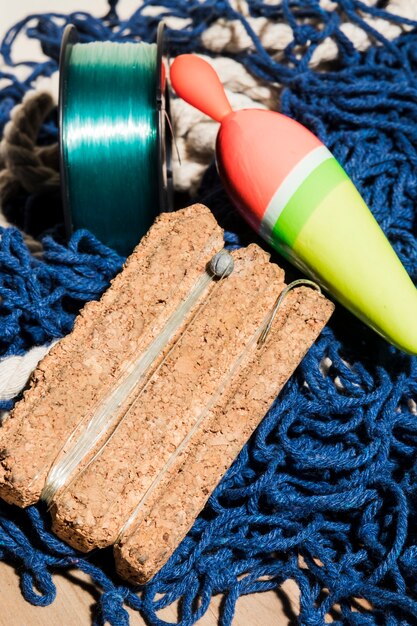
(293, 192)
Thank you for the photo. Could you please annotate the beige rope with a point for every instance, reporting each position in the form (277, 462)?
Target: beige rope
(24, 166)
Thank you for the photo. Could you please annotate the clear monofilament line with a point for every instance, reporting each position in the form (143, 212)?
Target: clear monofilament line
(127, 366)
(225, 381)
(148, 380)
(106, 415)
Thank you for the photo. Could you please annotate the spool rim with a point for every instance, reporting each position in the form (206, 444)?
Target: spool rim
(164, 140)
(69, 38)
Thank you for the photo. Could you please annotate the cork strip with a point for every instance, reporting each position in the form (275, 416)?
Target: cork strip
(93, 509)
(169, 511)
(78, 372)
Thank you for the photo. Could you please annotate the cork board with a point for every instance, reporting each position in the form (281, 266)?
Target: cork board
(175, 433)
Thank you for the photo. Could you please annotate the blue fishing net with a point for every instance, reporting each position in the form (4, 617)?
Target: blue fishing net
(325, 492)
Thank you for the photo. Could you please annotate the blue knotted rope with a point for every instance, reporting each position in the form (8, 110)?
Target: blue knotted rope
(330, 476)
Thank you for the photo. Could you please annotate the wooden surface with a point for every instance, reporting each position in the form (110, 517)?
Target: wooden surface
(76, 596)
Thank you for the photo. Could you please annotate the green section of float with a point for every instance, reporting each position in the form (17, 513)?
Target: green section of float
(305, 200)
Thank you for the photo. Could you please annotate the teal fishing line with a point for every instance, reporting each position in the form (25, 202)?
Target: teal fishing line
(110, 140)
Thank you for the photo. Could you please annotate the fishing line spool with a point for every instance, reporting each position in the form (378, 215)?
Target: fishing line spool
(115, 148)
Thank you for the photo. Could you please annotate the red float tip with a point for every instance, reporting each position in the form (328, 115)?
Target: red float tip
(194, 80)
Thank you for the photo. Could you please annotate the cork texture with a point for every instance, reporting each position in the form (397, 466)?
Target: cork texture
(167, 512)
(177, 431)
(78, 372)
(92, 510)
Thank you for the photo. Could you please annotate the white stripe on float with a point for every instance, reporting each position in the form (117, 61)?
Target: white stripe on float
(289, 186)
